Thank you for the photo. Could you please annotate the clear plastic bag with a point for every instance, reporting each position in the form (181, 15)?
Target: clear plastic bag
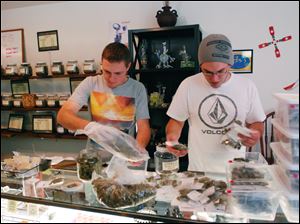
(115, 141)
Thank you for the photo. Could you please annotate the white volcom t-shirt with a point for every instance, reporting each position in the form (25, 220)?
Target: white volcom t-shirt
(209, 111)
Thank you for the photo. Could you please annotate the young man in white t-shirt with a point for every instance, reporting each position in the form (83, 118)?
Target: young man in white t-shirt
(211, 101)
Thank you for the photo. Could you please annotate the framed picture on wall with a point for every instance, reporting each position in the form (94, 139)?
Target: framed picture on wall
(48, 40)
(19, 87)
(42, 123)
(12, 46)
(74, 82)
(243, 61)
(15, 122)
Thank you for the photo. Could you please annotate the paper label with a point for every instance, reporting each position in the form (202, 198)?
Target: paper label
(166, 166)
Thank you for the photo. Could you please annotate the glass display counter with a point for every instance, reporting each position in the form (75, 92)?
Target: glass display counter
(73, 201)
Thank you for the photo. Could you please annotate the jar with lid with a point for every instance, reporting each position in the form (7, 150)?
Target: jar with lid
(7, 100)
(11, 69)
(25, 69)
(57, 68)
(72, 67)
(17, 101)
(89, 67)
(88, 161)
(60, 129)
(63, 98)
(41, 69)
(52, 100)
(165, 162)
(41, 100)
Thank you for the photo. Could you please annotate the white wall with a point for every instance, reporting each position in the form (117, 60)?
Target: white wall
(83, 29)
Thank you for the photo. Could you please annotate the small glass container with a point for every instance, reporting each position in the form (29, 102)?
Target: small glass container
(41, 69)
(7, 100)
(52, 100)
(60, 129)
(89, 67)
(11, 69)
(17, 101)
(41, 100)
(63, 99)
(72, 67)
(88, 161)
(165, 162)
(25, 69)
(57, 68)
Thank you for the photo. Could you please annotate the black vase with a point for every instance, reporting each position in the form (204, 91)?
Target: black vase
(166, 17)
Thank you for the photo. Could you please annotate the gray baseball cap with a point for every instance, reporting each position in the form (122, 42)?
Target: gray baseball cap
(215, 48)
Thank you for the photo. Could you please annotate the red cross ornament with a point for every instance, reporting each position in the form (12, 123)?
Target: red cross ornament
(272, 32)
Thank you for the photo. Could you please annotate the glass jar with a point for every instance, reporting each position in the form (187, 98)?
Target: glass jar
(25, 69)
(52, 100)
(41, 100)
(89, 66)
(57, 68)
(165, 162)
(7, 100)
(41, 69)
(88, 161)
(11, 69)
(60, 129)
(17, 101)
(63, 99)
(72, 67)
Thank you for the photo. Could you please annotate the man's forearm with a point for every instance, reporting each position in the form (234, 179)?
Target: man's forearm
(70, 120)
(258, 126)
(173, 129)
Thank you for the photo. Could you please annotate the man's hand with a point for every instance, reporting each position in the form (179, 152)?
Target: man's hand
(174, 149)
(251, 140)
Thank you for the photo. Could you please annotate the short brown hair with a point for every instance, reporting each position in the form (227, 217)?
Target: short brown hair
(116, 52)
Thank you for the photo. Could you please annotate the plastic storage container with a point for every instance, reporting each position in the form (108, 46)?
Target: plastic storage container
(259, 203)
(17, 101)
(25, 69)
(248, 175)
(41, 69)
(89, 67)
(252, 158)
(287, 111)
(7, 100)
(52, 100)
(41, 100)
(72, 67)
(289, 140)
(287, 171)
(57, 68)
(11, 69)
(289, 201)
(63, 99)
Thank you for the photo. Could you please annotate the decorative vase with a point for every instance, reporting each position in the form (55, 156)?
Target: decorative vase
(166, 17)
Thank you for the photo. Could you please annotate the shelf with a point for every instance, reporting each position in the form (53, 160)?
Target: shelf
(9, 134)
(85, 108)
(18, 77)
(155, 70)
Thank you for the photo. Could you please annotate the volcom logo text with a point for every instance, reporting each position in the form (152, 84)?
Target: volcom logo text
(214, 132)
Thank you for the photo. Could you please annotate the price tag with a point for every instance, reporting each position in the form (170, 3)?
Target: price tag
(32, 209)
(12, 206)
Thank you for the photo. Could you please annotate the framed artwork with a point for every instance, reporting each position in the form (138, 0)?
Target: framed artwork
(19, 87)
(74, 82)
(42, 123)
(15, 122)
(48, 40)
(12, 47)
(243, 61)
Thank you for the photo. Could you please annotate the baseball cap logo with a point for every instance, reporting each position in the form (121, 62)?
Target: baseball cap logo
(217, 111)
